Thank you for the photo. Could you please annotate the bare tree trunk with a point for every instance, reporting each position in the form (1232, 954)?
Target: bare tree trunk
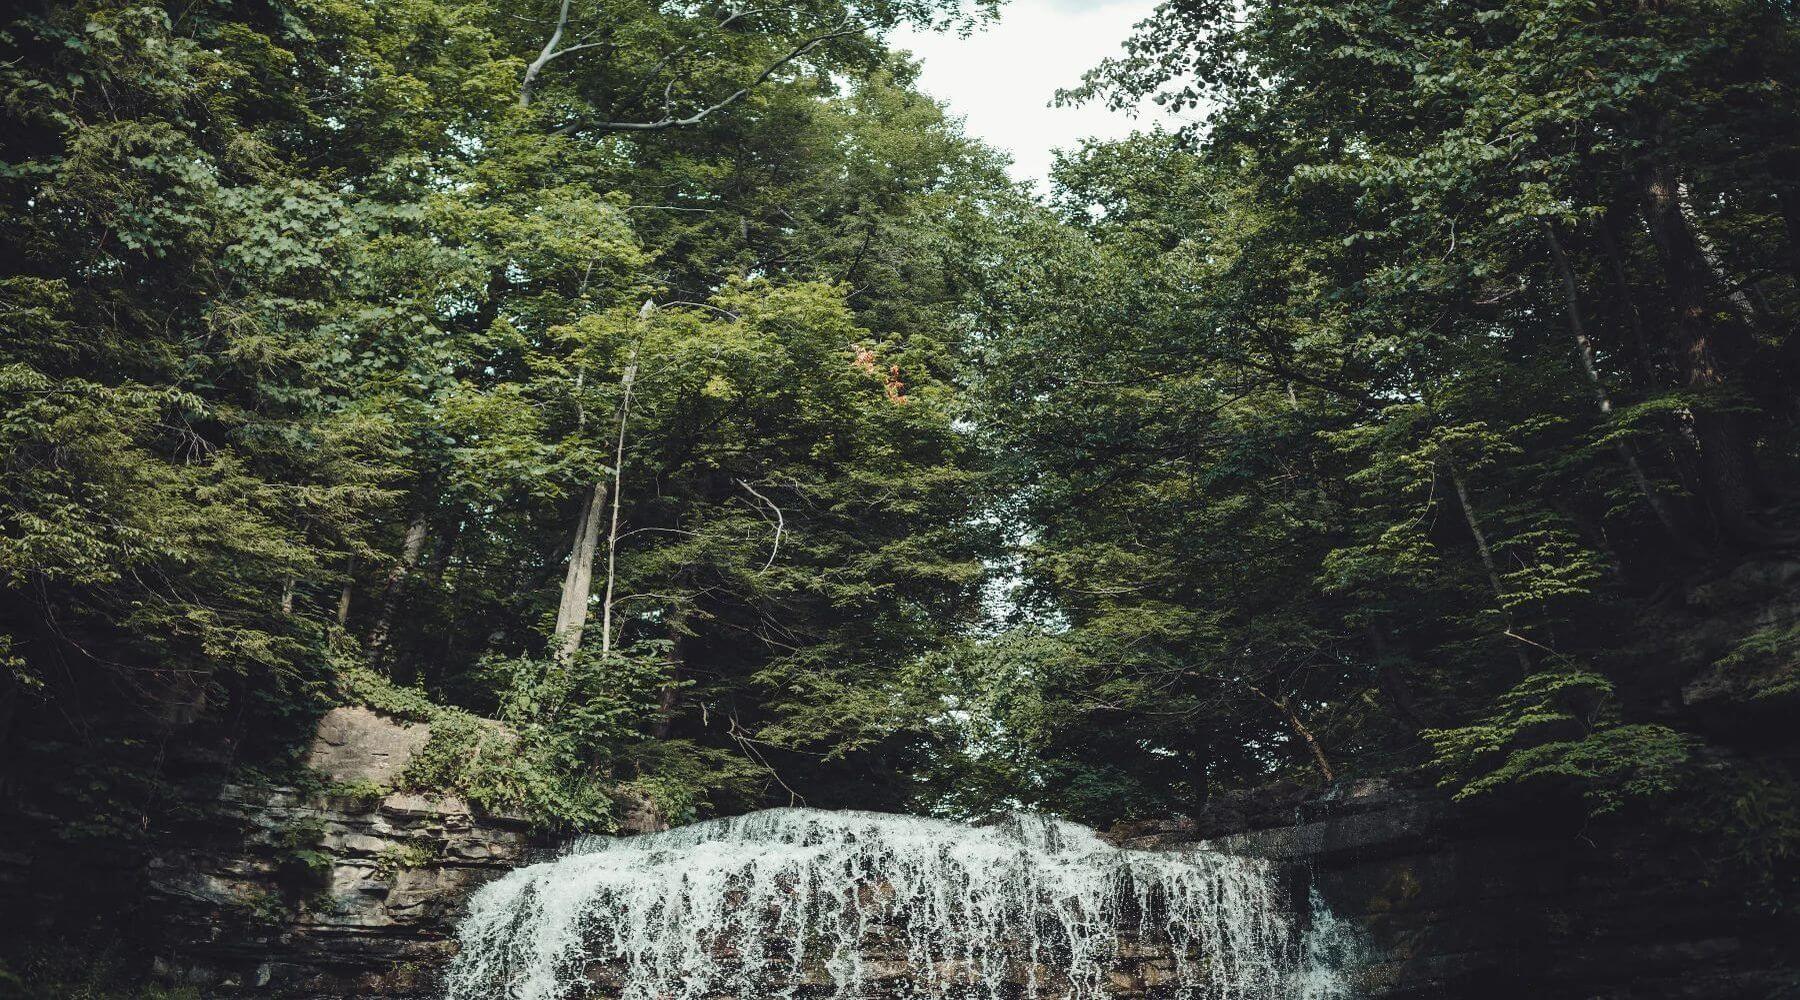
(1705, 352)
(1744, 299)
(382, 632)
(1584, 348)
(1645, 359)
(1651, 364)
(1487, 555)
(1481, 542)
(578, 578)
(612, 536)
(1701, 351)
(343, 605)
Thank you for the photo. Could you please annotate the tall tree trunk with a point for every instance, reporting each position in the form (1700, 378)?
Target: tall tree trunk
(1584, 349)
(1481, 543)
(578, 578)
(1703, 349)
(1645, 360)
(612, 535)
(382, 632)
(1651, 364)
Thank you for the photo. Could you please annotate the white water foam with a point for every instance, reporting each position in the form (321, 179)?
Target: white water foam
(789, 902)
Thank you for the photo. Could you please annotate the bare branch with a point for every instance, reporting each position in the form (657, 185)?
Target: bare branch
(780, 525)
(612, 538)
(663, 63)
(543, 58)
(668, 121)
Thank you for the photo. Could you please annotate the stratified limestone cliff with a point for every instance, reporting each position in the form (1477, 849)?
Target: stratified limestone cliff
(366, 909)
(276, 891)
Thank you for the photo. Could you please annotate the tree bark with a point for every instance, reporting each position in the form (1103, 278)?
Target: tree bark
(578, 578)
(1706, 352)
(382, 632)
(548, 53)
(1584, 349)
(612, 535)
(1645, 361)
(345, 592)
(1481, 543)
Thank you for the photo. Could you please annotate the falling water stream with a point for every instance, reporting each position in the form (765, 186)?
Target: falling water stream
(803, 903)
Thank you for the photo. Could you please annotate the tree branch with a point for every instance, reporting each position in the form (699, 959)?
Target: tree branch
(543, 57)
(780, 525)
(668, 121)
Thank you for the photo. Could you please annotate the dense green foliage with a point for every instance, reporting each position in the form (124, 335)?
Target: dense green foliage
(323, 328)
(1395, 401)
(670, 404)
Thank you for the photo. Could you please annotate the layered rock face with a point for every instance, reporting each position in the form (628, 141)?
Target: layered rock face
(281, 892)
(329, 896)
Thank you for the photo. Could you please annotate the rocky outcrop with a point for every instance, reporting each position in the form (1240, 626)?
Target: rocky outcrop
(326, 898)
(359, 745)
(282, 892)
(1450, 902)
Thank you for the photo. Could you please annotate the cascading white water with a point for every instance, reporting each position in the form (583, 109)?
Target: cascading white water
(792, 902)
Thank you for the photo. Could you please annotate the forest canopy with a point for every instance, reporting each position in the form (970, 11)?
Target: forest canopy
(673, 405)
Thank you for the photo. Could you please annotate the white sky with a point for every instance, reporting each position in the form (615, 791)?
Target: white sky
(1002, 79)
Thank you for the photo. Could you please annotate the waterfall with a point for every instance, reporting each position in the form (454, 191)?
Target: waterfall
(801, 903)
